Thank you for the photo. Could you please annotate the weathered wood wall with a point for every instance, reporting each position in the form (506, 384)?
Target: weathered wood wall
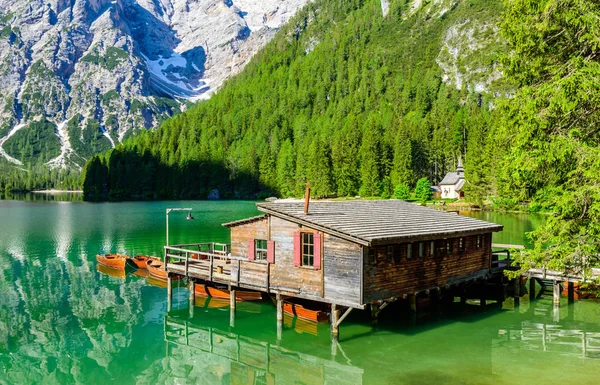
(342, 269)
(392, 277)
(241, 234)
(305, 280)
(337, 282)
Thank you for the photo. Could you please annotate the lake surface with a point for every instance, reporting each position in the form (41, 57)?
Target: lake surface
(62, 321)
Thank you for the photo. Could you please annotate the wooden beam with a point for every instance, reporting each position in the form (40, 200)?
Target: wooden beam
(343, 317)
(507, 246)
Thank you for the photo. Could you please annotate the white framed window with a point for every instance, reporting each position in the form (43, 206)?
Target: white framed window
(308, 249)
(260, 249)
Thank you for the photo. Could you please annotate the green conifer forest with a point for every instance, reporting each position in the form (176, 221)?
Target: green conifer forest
(344, 98)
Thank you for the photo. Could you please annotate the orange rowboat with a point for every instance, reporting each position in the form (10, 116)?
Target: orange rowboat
(300, 311)
(140, 261)
(115, 261)
(156, 269)
(240, 295)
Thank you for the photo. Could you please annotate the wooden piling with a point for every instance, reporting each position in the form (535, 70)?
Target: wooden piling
(531, 288)
(232, 301)
(169, 292)
(335, 327)
(192, 289)
(517, 297)
(279, 316)
(571, 292)
(556, 287)
(279, 307)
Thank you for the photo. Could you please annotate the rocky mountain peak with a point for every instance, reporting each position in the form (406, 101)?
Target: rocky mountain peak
(79, 76)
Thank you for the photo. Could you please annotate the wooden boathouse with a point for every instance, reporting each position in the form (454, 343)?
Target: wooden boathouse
(348, 254)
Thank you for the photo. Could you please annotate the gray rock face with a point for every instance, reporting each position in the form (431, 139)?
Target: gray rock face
(100, 69)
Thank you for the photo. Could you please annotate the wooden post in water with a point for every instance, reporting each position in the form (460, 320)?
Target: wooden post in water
(571, 292)
(412, 301)
(335, 328)
(556, 287)
(192, 288)
(279, 316)
(531, 289)
(517, 297)
(232, 307)
(169, 292)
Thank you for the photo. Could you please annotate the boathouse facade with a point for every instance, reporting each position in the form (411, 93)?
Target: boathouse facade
(354, 253)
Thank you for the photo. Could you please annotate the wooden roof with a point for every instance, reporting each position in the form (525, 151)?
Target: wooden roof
(379, 222)
(244, 221)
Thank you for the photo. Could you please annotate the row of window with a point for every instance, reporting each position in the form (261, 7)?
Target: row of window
(307, 247)
(424, 249)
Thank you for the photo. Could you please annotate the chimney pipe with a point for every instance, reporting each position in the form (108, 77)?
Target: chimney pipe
(306, 199)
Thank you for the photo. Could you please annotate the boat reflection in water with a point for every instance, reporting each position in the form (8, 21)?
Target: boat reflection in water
(117, 273)
(202, 350)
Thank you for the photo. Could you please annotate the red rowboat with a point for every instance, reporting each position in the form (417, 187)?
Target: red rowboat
(141, 261)
(240, 295)
(115, 261)
(300, 311)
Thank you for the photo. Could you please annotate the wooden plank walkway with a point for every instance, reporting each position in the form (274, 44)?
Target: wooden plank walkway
(218, 267)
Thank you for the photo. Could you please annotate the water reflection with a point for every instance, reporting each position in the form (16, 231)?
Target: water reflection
(201, 354)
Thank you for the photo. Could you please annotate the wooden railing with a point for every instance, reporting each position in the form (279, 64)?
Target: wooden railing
(213, 262)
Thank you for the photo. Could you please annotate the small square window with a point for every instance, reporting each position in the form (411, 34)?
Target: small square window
(390, 253)
(448, 246)
(461, 245)
(432, 249)
(308, 249)
(479, 241)
(409, 251)
(260, 249)
(421, 250)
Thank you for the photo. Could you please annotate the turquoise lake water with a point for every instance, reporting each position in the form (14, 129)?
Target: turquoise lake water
(63, 321)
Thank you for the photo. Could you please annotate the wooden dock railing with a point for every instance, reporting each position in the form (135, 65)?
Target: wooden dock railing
(213, 262)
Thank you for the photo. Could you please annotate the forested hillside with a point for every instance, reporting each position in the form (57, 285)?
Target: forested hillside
(347, 97)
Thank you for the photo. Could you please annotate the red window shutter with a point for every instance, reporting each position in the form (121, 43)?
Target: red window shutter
(318, 244)
(297, 249)
(251, 249)
(271, 251)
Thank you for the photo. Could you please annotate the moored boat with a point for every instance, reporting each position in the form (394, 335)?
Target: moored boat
(114, 261)
(240, 295)
(297, 310)
(141, 261)
(156, 269)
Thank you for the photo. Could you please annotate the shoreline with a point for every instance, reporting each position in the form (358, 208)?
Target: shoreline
(53, 191)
